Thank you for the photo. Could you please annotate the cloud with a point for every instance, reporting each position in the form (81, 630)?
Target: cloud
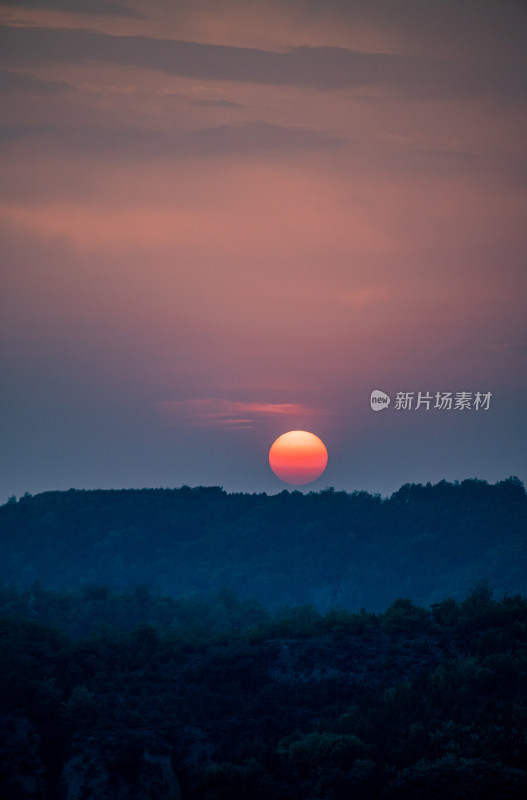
(23, 82)
(516, 349)
(211, 96)
(255, 138)
(323, 68)
(433, 162)
(92, 7)
(217, 103)
(222, 413)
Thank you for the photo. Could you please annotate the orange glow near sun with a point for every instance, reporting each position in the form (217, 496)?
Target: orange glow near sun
(298, 457)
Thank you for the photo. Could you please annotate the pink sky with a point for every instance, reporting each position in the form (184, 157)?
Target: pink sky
(223, 220)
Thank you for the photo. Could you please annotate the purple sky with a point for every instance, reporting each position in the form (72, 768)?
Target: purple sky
(220, 221)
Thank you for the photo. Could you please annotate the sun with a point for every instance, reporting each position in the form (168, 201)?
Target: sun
(298, 457)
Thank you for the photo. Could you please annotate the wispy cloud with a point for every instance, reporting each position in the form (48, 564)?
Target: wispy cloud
(223, 413)
(323, 68)
(216, 103)
(515, 349)
(250, 138)
(24, 82)
(92, 7)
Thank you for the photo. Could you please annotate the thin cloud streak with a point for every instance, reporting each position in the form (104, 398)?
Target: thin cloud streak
(223, 413)
(11, 82)
(513, 349)
(91, 7)
(250, 138)
(322, 68)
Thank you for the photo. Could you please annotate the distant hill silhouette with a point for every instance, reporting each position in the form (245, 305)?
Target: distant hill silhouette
(328, 548)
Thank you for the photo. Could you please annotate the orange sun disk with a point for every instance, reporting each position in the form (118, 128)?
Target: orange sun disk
(298, 457)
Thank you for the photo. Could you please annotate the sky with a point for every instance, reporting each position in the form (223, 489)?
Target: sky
(221, 220)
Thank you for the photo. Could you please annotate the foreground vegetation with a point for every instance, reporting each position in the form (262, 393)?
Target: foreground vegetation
(137, 695)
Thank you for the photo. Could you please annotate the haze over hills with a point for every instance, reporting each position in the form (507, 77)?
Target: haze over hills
(330, 549)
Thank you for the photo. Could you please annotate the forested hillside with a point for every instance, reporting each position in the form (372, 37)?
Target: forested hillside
(331, 549)
(163, 699)
(190, 644)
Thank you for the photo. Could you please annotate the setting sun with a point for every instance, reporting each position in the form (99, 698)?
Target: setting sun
(298, 457)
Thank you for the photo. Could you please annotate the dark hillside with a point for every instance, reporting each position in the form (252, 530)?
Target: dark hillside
(410, 703)
(328, 548)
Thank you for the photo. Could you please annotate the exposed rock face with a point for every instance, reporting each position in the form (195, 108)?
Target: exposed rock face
(130, 770)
